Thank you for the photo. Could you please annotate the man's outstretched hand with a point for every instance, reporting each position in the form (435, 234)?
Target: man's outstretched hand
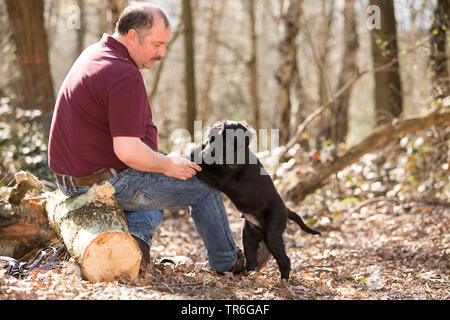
(180, 167)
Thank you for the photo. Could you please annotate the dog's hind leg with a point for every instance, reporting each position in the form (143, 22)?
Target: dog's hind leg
(275, 245)
(251, 237)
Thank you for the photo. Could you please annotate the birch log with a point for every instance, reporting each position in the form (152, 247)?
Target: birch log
(95, 232)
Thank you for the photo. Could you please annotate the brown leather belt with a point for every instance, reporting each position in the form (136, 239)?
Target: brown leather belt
(87, 181)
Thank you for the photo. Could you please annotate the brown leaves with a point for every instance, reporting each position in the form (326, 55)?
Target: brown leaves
(374, 245)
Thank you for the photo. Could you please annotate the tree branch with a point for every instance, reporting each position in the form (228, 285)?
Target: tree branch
(380, 136)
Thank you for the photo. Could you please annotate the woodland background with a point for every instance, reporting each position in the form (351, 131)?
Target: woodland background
(272, 63)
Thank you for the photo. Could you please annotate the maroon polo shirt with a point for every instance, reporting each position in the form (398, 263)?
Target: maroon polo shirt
(103, 96)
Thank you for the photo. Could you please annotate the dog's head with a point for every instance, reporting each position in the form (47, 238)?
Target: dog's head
(227, 143)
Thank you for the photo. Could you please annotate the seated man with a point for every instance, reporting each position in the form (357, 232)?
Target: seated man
(102, 130)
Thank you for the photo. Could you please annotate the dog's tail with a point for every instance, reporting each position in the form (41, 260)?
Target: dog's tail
(296, 218)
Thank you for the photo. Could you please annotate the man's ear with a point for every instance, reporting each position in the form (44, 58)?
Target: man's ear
(132, 37)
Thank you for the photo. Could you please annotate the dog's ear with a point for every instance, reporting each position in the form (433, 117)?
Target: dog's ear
(216, 130)
(249, 133)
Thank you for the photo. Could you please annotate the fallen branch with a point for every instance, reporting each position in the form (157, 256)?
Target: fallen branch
(302, 127)
(316, 177)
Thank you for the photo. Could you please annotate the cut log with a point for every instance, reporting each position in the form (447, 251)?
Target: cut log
(95, 232)
(24, 228)
(92, 226)
(23, 225)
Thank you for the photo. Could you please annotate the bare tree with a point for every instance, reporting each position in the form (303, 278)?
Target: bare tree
(284, 74)
(327, 20)
(253, 65)
(108, 14)
(81, 32)
(348, 71)
(438, 43)
(27, 19)
(191, 110)
(214, 20)
(388, 86)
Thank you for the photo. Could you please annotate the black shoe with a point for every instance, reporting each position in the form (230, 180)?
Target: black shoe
(262, 255)
(145, 250)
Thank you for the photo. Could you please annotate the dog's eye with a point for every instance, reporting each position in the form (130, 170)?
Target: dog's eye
(212, 138)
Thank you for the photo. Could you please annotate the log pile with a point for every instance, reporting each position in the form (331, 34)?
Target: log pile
(93, 228)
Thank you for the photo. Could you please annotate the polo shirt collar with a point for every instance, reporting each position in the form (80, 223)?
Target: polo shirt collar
(117, 46)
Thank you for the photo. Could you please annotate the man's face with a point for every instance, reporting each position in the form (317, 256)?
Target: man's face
(149, 46)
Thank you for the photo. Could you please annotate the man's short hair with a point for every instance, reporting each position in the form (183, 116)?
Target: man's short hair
(139, 17)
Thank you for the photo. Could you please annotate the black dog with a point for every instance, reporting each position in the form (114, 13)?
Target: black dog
(229, 166)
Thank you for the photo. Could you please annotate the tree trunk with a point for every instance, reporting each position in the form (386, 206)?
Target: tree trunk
(115, 8)
(302, 100)
(327, 20)
(214, 22)
(161, 64)
(440, 76)
(253, 66)
(81, 32)
(27, 19)
(388, 88)
(94, 229)
(189, 66)
(349, 69)
(109, 14)
(317, 176)
(285, 71)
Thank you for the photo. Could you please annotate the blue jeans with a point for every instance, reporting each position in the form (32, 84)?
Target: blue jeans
(144, 195)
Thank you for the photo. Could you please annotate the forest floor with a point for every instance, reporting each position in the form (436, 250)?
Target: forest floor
(384, 250)
(393, 244)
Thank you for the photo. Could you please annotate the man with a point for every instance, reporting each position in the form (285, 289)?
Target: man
(102, 130)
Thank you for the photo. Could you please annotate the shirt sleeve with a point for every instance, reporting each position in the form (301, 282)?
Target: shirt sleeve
(127, 106)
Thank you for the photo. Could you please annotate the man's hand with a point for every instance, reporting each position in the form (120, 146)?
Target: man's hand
(137, 155)
(180, 167)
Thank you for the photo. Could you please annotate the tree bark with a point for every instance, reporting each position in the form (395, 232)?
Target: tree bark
(108, 15)
(348, 71)
(116, 7)
(388, 87)
(95, 232)
(27, 19)
(383, 134)
(253, 66)
(191, 110)
(81, 32)
(214, 22)
(285, 71)
(327, 20)
(438, 60)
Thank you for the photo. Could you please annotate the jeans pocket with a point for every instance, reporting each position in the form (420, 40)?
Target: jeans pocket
(132, 199)
(118, 184)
